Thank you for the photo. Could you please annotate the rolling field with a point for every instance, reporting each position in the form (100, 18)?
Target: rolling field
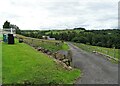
(63, 31)
(115, 53)
(22, 63)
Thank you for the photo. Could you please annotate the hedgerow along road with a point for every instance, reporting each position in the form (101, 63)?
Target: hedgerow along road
(96, 69)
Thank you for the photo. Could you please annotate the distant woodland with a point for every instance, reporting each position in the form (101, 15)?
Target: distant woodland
(104, 38)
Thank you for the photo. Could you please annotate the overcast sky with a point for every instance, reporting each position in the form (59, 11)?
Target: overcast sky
(60, 14)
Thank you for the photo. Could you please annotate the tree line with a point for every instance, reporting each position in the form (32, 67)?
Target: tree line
(104, 38)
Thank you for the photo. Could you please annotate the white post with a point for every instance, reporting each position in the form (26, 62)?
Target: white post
(11, 31)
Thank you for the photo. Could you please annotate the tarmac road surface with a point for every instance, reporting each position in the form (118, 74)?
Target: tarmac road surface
(96, 69)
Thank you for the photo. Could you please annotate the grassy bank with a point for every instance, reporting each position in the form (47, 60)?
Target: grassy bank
(65, 46)
(115, 53)
(52, 45)
(23, 63)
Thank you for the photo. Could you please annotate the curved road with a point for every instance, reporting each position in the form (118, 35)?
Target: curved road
(96, 69)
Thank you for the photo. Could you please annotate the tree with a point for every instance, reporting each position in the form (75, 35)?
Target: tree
(18, 31)
(76, 39)
(51, 34)
(80, 28)
(6, 25)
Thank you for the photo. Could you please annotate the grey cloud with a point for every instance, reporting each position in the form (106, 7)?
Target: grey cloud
(9, 15)
(64, 13)
(95, 6)
(107, 18)
(65, 8)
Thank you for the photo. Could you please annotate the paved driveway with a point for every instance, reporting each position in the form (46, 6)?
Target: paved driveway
(96, 69)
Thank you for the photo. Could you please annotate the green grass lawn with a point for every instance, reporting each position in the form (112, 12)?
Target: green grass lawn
(107, 51)
(23, 63)
(0, 36)
(0, 62)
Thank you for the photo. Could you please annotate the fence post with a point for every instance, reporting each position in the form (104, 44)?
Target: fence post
(95, 49)
(88, 49)
(69, 56)
(108, 52)
(114, 52)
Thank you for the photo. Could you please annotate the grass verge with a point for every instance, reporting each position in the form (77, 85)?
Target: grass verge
(51, 45)
(65, 46)
(115, 53)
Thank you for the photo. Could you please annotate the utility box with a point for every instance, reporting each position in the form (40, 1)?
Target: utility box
(10, 39)
(5, 38)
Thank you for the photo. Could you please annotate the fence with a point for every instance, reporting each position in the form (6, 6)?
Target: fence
(110, 52)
